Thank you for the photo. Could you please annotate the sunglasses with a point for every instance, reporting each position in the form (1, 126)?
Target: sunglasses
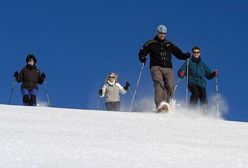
(196, 52)
(162, 33)
(111, 77)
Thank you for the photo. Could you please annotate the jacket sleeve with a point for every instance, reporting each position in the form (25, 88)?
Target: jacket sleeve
(40, 78)
(177, 52)
(182, 68)
(20, 76)
(103, 90)
(145, 50)
(121, 89)
(208, 74)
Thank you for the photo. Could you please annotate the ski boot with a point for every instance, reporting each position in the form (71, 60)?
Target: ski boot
(163, 107)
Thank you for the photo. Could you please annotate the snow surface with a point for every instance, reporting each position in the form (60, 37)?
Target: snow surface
(43, 137)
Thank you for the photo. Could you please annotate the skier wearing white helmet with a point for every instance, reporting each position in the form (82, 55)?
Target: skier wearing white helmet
(161, 51)
(162, 29)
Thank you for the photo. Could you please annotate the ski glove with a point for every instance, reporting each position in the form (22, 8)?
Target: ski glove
(215, 73)
(100, 92)
(16, 74)
(142, 59)
(126, 86)
(181, 74)
(187, 55)
(43, 75)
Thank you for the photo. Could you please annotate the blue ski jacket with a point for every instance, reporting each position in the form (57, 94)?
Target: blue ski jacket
(198, 71)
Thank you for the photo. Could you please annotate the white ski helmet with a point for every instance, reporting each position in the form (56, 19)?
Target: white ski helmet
(112, 74)
(162, 29)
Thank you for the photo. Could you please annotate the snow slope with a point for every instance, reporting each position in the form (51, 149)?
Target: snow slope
(43, 137)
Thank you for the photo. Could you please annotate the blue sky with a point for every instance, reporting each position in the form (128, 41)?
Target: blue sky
(77, 43)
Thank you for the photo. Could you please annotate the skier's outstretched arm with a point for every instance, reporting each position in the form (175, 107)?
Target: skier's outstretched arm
(121, 89)
(102, 91)
(177, 51)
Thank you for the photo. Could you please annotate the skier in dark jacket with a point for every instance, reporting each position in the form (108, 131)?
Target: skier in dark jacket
(198, 71)
(161, 51)
(30, 76)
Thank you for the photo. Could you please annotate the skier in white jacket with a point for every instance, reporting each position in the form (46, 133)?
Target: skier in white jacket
(111, 91)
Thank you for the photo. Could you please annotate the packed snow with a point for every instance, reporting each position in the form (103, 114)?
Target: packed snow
(44, 137)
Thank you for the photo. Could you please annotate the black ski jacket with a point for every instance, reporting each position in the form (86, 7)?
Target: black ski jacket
(161, 52)
(30, 77)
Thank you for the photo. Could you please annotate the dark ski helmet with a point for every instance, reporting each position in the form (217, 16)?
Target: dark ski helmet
(29, 57)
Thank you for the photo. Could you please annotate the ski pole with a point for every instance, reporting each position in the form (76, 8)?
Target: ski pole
(137, 85)
(134, 100)
(98, 102)
(217, 97)
(12, 89)
(175, 88)
(187, 82)
(47, 96)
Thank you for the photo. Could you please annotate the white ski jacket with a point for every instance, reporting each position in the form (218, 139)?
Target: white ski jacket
(112, 91)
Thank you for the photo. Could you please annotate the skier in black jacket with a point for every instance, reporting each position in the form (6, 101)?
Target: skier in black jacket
(161, 51)
(30, 76)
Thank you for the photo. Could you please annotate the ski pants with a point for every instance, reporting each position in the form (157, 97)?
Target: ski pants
(29, 96)
(113, 106)
(163, 82)
(198, 92)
